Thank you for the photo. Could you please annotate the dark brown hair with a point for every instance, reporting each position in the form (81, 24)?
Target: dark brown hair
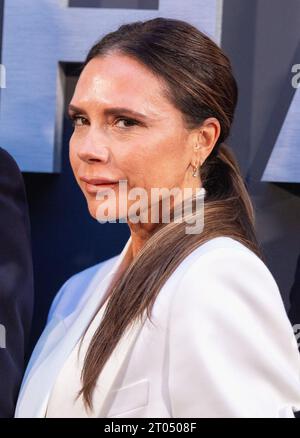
(198, 80)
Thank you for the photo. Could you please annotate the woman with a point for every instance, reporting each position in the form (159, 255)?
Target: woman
(179, 324)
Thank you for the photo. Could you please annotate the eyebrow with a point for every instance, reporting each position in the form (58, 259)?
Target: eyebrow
(110, 111)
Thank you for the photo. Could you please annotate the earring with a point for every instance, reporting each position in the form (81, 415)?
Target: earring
(195, 169)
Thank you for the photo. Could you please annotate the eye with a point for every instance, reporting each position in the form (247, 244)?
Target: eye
(128, 121)
(78, 120)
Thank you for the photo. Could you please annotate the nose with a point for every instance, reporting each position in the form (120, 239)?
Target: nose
(91, 152)
(89, 156)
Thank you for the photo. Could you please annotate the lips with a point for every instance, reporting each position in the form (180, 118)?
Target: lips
(94, 185)
(96, 181)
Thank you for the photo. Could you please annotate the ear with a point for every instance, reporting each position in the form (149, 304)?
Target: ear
(207, 137)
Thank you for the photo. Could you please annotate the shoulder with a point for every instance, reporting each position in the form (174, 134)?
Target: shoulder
(227, 282)
(225, 257)
(12, 184)
(7, 162)
(224, 268)
(74, 290)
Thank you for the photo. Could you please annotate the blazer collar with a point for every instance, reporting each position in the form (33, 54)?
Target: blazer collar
(56, 344)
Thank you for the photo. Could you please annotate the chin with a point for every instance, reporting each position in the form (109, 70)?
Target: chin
(92, 210)
(100, 216)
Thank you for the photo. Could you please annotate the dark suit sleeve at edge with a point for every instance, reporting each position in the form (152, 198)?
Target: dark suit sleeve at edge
(16, 281)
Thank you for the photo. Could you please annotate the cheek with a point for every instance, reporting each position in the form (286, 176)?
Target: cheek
(131, 161)
(73, 158)
(161, 161)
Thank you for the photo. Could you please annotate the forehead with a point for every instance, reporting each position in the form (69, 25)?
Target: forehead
(120, 80)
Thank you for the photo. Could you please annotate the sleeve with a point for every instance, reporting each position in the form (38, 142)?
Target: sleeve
(232, 349)
(16, 281)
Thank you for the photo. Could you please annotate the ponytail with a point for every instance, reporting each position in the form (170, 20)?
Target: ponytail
(221, 176)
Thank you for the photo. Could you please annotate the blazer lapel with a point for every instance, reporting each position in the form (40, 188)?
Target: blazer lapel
(113, 365)
(56, 344)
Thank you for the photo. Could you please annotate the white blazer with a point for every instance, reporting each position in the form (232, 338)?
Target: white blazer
(221, 344)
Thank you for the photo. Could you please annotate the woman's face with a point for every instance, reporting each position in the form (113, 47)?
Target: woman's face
(125, 129)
